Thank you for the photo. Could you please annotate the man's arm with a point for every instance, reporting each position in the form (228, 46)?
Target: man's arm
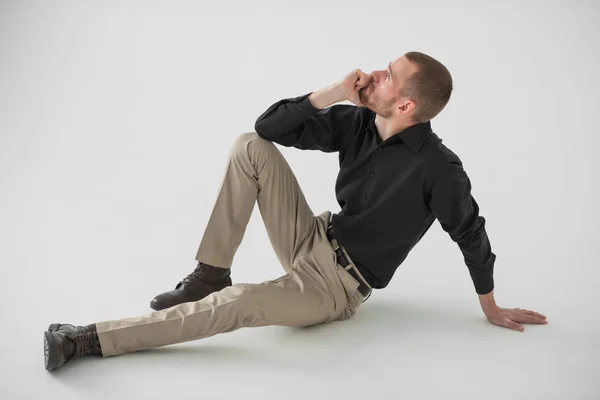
(458, 212)
(327, 96)
(306, 123)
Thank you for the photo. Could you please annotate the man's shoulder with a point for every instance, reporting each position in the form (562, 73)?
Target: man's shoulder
(439, 155)
(362, 113)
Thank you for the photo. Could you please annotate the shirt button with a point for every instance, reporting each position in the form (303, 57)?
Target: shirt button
(302, 107)
(352, 215)
(379, 149)
(372, 173)
(365, 199)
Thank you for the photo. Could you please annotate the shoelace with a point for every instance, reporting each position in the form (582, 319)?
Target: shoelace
(198, 273)
(86, 343)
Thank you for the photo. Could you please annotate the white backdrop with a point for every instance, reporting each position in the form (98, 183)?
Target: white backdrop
(115, 122)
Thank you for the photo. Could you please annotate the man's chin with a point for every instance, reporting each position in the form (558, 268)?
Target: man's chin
(364, 101)
(366, 105)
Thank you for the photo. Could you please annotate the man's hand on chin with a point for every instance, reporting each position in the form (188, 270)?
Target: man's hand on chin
(509, 317)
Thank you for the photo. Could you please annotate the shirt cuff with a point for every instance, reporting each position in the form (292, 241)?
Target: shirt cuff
(304, 105)
(484, 283)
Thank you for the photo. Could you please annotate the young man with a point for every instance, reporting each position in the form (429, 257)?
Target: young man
(396, 177)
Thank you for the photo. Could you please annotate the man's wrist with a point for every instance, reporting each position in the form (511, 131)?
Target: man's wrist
(488, 303)
(327, 96)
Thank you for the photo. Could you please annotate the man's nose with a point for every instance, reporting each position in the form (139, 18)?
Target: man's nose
(376, 75)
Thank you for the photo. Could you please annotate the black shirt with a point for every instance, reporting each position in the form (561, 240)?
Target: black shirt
(390, 192)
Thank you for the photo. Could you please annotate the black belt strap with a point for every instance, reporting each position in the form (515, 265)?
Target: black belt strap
(343, 261)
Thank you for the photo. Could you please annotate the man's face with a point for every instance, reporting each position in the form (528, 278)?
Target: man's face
(382, 93)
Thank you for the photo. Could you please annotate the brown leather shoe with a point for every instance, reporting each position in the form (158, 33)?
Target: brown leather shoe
(65, 342)
(204, 280)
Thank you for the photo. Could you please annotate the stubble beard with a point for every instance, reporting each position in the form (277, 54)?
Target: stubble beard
(383, 108)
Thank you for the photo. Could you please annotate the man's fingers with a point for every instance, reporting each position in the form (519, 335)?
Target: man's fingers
(532, 319)
(528, 319)
(363, 80)
(536, 315)
(529, 312)
(359, 74)
(513, 325)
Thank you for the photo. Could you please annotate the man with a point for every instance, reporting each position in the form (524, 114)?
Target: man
(396, 177)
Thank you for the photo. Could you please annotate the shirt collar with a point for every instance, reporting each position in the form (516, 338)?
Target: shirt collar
(413, 136)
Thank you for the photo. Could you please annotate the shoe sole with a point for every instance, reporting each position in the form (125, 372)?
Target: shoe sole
(156, 307)
(49, 351)
(159, 307)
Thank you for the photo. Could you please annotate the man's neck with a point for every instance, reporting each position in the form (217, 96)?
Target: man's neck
(388, 127)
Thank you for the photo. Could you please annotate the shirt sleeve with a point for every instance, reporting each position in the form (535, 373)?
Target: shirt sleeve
(295, 122)
(458, 213)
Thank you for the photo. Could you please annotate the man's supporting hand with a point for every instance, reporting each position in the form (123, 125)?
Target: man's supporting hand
(513, 318)
(508, 317)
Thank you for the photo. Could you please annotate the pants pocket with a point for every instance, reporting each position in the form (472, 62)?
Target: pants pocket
(350, 284)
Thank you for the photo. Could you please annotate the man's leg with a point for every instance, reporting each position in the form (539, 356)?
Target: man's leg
(316, 290)
(256, 171)
(311, 293)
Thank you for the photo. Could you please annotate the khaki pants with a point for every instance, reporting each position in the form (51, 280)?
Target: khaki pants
(314, 289)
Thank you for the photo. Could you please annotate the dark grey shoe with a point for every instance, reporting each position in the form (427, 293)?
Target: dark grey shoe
(204, 280)
(65, 342)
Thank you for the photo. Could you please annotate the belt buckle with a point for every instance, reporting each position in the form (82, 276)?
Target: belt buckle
(348, 266)
(369, 295)
(338, 250)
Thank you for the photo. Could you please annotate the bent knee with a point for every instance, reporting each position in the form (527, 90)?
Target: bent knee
(248, 137)
(251, 141)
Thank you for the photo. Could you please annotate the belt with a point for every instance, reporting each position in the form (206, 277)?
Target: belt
(363, 288)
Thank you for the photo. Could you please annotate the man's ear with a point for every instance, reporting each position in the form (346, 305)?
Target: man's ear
(406, 106)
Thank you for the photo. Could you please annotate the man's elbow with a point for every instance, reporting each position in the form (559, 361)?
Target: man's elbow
(259, 128)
